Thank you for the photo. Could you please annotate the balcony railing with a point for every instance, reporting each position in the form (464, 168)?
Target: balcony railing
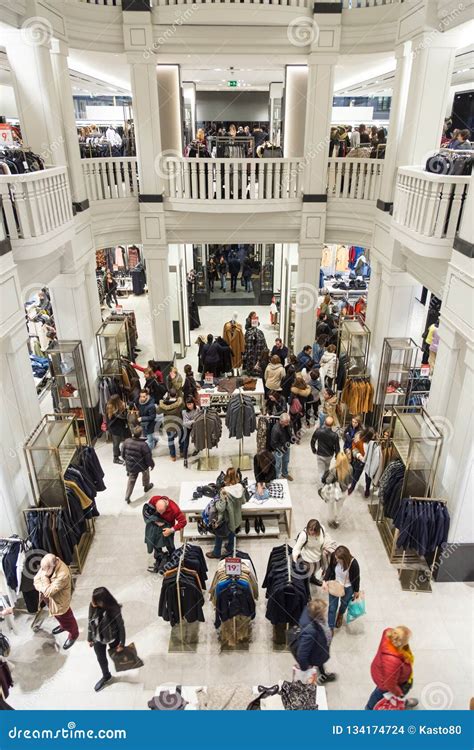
(111, 178)
(233, 179)
(351, 4)
(357, 179)
(428, 204)
(35, 204)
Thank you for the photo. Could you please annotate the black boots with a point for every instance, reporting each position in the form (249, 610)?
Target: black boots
(258, 525)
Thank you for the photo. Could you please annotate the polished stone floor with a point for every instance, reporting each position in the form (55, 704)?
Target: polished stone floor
(48, 677)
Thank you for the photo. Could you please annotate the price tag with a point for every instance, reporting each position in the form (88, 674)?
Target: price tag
(209, 379)
(205, 399)
(424, 371)
(233, 566)
(6, 135)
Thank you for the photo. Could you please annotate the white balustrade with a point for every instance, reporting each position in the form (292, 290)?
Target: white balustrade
(233, 179)
(111, 177)
(283, 3)
(354, 178)
(351, 4)
(429, 204)
(102, 2)
(35, 203)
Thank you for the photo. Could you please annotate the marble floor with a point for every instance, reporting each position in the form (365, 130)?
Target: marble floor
(47, 677)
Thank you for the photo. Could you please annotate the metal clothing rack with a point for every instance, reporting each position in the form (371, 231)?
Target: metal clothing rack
(208, 462)
(280, 642)
(241, 640)
(417, 578)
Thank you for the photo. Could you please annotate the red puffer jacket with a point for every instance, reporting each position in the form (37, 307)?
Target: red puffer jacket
(389, 670)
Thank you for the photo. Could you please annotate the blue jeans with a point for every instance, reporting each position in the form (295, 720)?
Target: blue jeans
(223, 281)
(218, 544)
(375, 696)
(151, 442)
(333, 605)
(248, 285)
(171, 446)
(282, 462)
(322, 418)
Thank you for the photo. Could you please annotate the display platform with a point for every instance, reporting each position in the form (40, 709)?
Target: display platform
(273, 511)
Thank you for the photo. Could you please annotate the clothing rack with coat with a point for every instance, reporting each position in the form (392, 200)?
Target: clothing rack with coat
(181, 596)
(423, 525)
(255, 346)
(206, 431)
(234, 597)
(240, 417)
(358, 394)
(234, 336)
(287, 591)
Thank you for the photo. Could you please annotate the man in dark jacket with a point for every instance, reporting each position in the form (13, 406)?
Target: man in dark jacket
(147, 416)
(280, 351)
(138, 460)
(280, 442)
(314, 639)
(328, 444)
(234, 268)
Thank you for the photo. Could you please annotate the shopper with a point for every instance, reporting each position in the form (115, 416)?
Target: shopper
(105, 628)
(319, 347)
(342, 581)
(155, 388)
(152, 365)
(329, 404)
(359, 455)
(276, 404)
(314, 640)
(247, 271)
(350, 432)
(234, 268)
(174, 381)
(325, 445)
(211, 273)
(300, 393)
(190, 386)
(229, 513)
(464, 144)
(171, 408)
(116, 420)
(290, 374)
(190, 413)
(264, 468)
(325, 305)
(314, 402)
(222, 271)
(211, 356)
(54, 583)
(280, 443)
(248, 320)
(336, 482)
(328, 363)
(280, 351)
(167, 518)
(147, 417)
(110, 287)
(274, 374)
(322, 327)
(138, 460)
(392, 667)
(309, 548)
(304, 358)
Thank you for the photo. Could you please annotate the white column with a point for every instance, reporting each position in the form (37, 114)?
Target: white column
(309, 262)
(447, 363)
(28, 52)
(430, 79)
(296, 82)
(146, 115)
(320, 93)
(394, 313)
(157, 272)
(169, 97)
(396, 123)
(373, 294)
(71, 305)
(65, 96)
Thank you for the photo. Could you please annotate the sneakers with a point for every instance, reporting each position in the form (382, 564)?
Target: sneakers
(173, 458)
(119, 461)
(339, 619)
(102, 683)
(328, 677)
(212, 556)
(288, 476)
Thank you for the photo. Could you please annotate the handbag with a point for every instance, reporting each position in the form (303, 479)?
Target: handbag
(125, 659)
(336, 588)
(390, 704)
(356, 608)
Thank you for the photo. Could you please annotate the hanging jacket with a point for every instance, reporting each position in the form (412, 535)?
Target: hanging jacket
(373, 461)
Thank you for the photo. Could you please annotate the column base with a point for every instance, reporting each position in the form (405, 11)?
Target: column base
(455, 564)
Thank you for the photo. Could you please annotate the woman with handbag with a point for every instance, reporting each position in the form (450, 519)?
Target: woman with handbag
(309, 548)
(336, 482)
(116, 419)
(392, 668)
(342, 582)
(359, 455)
(106, 627)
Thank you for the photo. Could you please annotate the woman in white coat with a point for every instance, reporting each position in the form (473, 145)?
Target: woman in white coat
(309, 548)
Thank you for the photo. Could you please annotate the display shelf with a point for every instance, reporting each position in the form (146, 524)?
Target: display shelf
(112, 345)
(354, 344)
(272, 529)
(399, 358)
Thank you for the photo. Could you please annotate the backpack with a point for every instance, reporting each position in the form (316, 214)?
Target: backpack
(295, 407)
(209, 514)
(303, 532)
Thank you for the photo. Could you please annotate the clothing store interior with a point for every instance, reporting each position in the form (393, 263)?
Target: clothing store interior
(205, 511)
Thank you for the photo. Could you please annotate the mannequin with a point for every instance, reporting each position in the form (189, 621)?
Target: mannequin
(234, 336)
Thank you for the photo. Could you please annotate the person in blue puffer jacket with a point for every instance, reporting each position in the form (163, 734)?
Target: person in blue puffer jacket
(314, 640)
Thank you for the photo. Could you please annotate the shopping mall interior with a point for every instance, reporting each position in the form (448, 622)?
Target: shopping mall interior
(236, 268)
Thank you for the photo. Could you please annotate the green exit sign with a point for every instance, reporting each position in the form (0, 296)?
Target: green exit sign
(232, 84)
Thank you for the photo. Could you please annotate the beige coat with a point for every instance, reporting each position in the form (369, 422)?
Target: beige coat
(57, 589)
(273, 376)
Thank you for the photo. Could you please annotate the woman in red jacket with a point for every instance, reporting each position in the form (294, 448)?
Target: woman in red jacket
(392, 668)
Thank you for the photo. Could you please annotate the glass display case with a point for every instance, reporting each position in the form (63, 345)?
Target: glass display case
(354, 344)
(417, 441)
(112, 344)
(70, 387)
(49, 450)
(399, 357)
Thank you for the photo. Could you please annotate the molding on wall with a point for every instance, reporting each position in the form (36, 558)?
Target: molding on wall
(140, 5)
(150, 198)
(327, 8)
(463, 246)
(315, 198)
(384, 206)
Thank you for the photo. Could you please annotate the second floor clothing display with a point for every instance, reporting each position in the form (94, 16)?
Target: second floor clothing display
(287, 590)
(240, 417)
(234, 336)
(423, 525)
(255, 346)
(206, 430)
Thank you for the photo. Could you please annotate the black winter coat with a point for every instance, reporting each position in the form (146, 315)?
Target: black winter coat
(280, 438)
(147, 414)
(313, 646)
(137, 455)
(327, 440)
(118, 425)
(105, 626)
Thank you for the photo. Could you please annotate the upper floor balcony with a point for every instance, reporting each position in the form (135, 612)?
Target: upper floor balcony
(427, 211)
(37, 211)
